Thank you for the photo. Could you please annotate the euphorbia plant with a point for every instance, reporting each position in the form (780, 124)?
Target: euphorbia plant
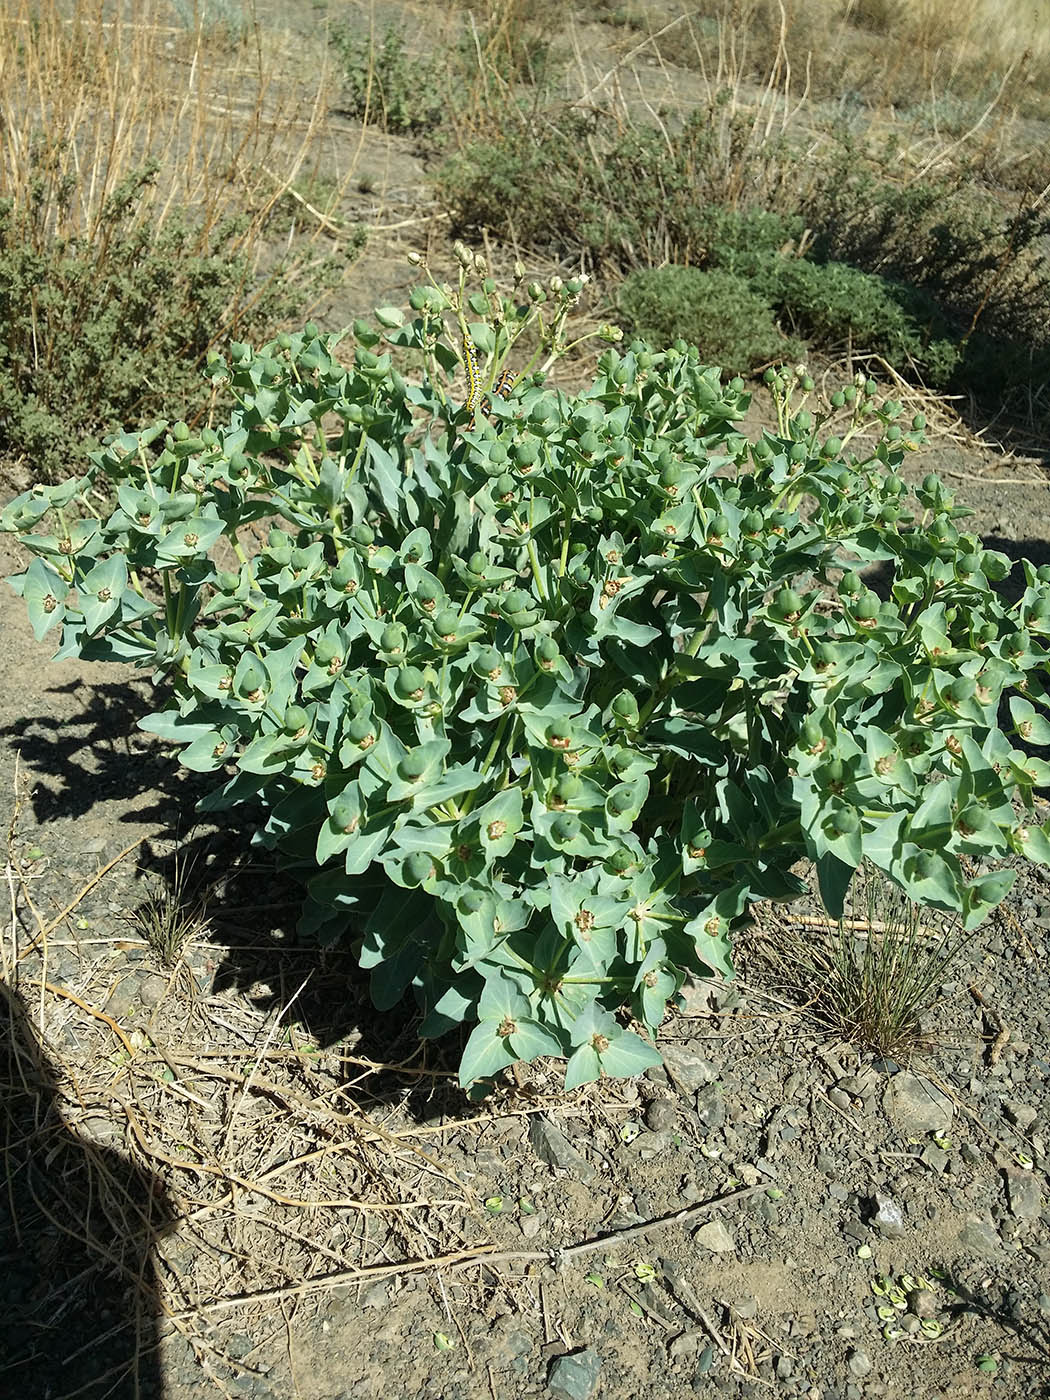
(541, 693)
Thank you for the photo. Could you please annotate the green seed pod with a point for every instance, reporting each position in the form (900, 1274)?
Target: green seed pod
(870, 388)
(893, 433)
(620, 861)
(1017, 645)
(418, 868)
(622, 799)
(780, 520)
(810, 734)
(362, 535)
(842, 823)
(428, 595)
(408, 682)
(833, 447)
(1040, 610)
(487, 661)
(769, 377)
(919, 422)
(478, 564)
(849, 394)
(325, 652)
(559, 734)
(718, 527)
(850, 585)
(852, 516)
(411, 768)
(838, 398)
(590, 444)
(761, 451)
(565, 828)
(474, 902)
(963, 688)
(804, 420)
(505, 487)
(798, 453)
(295, 719)
(625, 709)
(671, 474)
(392, 638)
(228, 582)
(752, 523)
(866, 608)
(786, 603)
(526, 453)
(968, 564)
(361, 730)
(446, 622)
(547, 652)
(567, 787)
(807, 384)
(516, 601)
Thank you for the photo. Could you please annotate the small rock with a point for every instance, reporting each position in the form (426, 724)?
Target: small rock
(860, 1085)
(980, 1237)
(785, 1366)
(687, 1344)
(711, 1108)
(552, 1146)
(715, 1237)
(529, 1225)
(888, 1217)
(1023, 1195)
(575, 1376)
(840, 1098)
(916, 1105)
(660, 1115)
(745, 1308)
(688, 1069)
(935, 1157)
(123, 999)
(652, 1145)
(699, 996)
(859, 1363)
(1020, 1114)
(376, 1295)
(826, 1165)
(970, 1153)
(856, 1230)
(152, 988)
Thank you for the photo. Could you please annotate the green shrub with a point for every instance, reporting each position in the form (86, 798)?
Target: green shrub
(732, 325)
(97, 336)
(539, 695)
(384, 85)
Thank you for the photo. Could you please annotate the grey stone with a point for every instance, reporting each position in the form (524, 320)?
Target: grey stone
(916, 1106)
(716, 1237)
(1023, 1194)
(711, 1108)
(124, 997)
(935, 1157)
(980, 1237)
(859, 1363)
(376, 1295)
(970, 1153)
(660, 1115)
(152, 988)
(840, 1098)
(529, 1225)
(575, 1376)
(687, 1068)
(1020, 1114)
(888, 1217)
(552, 1146)
(687, 1344)
(699, 996)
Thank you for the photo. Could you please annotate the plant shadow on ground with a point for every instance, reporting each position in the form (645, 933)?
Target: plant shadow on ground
(99, 755)
(1004, 1314)
(77, 1240)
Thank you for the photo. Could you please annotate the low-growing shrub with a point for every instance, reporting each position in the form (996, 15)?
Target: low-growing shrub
(97, 335)
(383, 85)
(719, 312)
(541, 692)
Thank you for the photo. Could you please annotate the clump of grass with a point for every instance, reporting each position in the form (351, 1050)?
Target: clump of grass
(172, 914)
(870, 979)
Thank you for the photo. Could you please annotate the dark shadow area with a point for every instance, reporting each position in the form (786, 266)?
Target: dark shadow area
(1006, 1313)
(100, 755)
(78, 1227)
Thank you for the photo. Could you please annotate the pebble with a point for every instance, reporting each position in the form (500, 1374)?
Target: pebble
(552, 1146)
(859, 1363)
(916, 1105)
(711, 1108)
(1020, 1114)
(575, 1376)
(715, 1236)
(660, 1115)
(980, 1237)
(888, 1217)
(687, 1068)
(1023, 1194)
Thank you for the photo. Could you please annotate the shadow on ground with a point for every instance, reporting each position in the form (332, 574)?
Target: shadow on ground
(78, 1230)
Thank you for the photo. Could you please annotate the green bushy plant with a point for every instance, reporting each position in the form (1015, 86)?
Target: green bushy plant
(383, 85)
(718, 311)
(540, 694)
(98, 334)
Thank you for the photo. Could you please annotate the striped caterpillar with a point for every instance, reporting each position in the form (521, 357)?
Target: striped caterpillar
(503, 385)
